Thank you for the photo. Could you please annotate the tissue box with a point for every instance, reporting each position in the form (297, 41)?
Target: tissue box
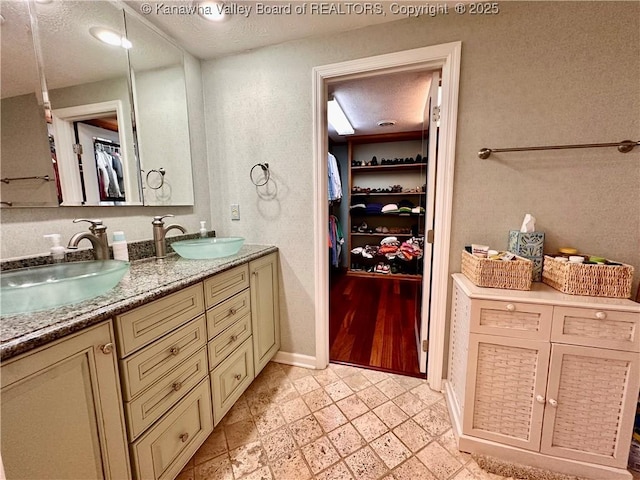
(528, 245)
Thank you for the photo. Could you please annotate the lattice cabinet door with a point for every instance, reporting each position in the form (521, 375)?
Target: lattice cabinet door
(590, 407)
(506, 381)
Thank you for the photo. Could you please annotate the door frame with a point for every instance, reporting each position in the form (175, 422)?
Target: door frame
(447, 58)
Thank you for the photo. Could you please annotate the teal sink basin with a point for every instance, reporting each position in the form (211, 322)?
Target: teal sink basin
(39, 288)
(202, 248)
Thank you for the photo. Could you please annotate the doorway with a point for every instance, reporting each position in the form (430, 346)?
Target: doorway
(447, 58)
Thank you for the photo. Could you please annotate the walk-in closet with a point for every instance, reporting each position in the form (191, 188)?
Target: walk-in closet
(380, 221)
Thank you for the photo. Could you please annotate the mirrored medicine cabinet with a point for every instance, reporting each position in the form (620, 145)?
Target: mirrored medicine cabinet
(94, 108)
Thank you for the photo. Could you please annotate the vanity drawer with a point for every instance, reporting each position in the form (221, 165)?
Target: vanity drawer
(231, 378)
(165, 449)
(228, 312)
(142, 369)
(162, 395)
(143, 325)
(227, 341)
(511, 319)
(226, 284)
(596, 328)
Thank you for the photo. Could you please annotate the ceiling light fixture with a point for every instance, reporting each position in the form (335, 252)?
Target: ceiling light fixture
(212, 11)
(386, 123)
(110, 37)
(338, 119)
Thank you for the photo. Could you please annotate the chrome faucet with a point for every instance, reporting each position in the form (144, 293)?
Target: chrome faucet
(160, 233)
(97, 237)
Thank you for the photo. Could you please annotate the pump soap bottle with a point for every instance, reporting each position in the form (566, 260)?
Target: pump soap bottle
(57, 250)
(203, 230)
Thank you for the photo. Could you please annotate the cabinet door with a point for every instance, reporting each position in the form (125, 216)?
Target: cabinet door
(62, 412)
(265, 309)
(590, 404)
(506, 380)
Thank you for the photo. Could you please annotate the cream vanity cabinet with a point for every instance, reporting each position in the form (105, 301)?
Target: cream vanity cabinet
(543, 378)
(62, 410)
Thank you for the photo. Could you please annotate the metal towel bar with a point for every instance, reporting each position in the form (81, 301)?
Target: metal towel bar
(623, 147)
(46, 178)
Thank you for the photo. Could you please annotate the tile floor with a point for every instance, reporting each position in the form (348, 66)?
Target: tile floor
(340, 423)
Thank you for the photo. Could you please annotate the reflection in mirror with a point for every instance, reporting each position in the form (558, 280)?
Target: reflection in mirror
(162, 123)
(24, 144)
(90, 101)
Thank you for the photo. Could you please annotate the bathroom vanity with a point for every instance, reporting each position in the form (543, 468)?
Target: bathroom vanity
(544, 379)
(133, 382)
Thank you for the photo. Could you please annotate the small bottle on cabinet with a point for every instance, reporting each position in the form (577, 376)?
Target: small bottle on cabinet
(203, 230)
(120, 248)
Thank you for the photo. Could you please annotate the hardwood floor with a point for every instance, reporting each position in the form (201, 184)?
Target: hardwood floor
(371, 322)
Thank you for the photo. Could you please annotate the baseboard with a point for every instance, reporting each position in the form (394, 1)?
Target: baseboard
(295, 359)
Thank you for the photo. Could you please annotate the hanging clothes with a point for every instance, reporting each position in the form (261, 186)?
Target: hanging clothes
(335, 184)
(336, 240)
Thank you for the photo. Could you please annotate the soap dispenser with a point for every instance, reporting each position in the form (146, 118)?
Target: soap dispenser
(57, 250)
(203, 230)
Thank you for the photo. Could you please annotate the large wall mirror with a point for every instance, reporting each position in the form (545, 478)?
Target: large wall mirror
(115, 99)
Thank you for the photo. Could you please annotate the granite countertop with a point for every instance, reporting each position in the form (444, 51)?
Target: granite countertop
(145, 281)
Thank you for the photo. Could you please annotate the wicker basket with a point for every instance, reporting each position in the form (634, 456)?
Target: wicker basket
(588, 279)
(514, 274)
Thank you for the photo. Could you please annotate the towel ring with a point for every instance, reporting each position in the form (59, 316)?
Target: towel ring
(161, 171)
(265, 171)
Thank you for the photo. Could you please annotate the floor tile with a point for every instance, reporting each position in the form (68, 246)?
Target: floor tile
(294, 373)
(428, 396)
(291, 467)
(278, 443)
(346, 439)
(337, 472)
(218, 468)
(240, 433)
(338, 390)
(214, 446)
(247, 458)
(365, 464)
(448, 441)
(294, 409)
(344, 371)
(409, 403)
(374, 376)
(372, 396)
(432, 422)
(412, 435)
(239, 411)
(306, 384)
(317, 399)
(464, 474)
(370, 426)
(306, 430)
(320, 454)
(283, 392)
(440, 462)
(269, 420)
(390, 414)
(263, 473)
(352, 407)
(390, 450)
(413, 469)
(357, 382)
(330, 418)
(407, 382)
(390, 388)
(325, 377)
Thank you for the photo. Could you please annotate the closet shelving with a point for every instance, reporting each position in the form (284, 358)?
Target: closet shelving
(410, 176)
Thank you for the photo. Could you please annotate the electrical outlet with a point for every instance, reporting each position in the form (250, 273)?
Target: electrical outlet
(235, 211)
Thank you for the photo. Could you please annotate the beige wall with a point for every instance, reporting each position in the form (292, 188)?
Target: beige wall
(536, 74)
(21, 229)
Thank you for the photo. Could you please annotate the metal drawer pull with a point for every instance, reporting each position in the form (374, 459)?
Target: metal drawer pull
(176, 386)
(233, 338)
(107, 348)
(540, 399)
(232, 311)
(553, 403)
(238, 376)
(184, 437)
(511, 307)
(601, 315)
(174, 350)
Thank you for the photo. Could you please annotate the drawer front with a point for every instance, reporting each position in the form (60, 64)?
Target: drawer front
(165, 449)
(145, 324)
(225, 284)
(228, 312)
(597, 328)
(155, 401)
(231, 378)
(511, 319)
(229, 340)
(141, 370)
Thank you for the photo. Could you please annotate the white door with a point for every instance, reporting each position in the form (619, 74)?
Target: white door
(432, 115)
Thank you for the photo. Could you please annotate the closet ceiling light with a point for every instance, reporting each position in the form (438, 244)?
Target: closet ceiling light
(110, 37)
(212, 11)
(386, 123)
(338, 119)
